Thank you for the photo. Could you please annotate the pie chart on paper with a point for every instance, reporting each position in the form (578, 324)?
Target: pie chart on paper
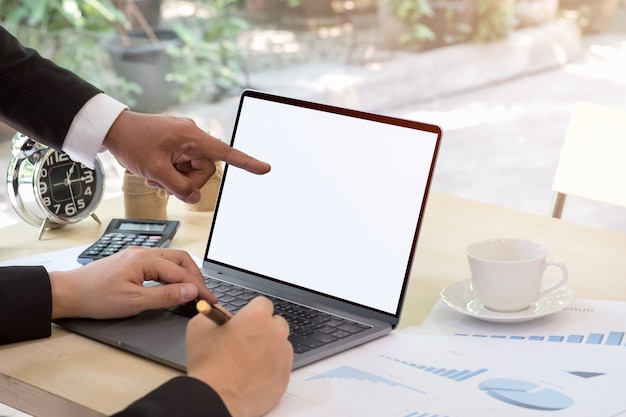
(526, 394)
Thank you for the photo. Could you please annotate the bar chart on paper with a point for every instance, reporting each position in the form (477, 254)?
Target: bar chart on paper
(458, 375)
(611, 338)
(585, 322)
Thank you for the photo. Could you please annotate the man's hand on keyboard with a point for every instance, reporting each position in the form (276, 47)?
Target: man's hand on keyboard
(112, 287)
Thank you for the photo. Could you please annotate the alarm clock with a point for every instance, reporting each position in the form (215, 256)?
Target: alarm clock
(48, 189)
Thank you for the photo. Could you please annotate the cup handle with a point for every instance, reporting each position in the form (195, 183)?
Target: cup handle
(563, 268)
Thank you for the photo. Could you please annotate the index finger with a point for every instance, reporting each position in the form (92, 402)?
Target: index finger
(241, 160)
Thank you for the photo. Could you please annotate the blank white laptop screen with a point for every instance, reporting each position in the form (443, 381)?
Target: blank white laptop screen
(338, 211)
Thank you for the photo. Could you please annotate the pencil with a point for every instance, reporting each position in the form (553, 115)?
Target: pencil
(215, 314)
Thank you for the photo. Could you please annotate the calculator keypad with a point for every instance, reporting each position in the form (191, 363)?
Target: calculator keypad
(111, 243)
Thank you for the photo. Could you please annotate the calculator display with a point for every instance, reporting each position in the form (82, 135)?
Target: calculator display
(143, 227)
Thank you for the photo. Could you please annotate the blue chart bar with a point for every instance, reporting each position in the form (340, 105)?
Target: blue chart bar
(347, 372)
(469, 375)
(615, 338)
(450, 372)
(612, 338)
(454, 374)
(595, 338)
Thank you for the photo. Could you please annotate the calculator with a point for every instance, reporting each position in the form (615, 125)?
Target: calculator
(122, 233)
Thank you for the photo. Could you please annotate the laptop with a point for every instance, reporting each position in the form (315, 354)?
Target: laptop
(328, 234)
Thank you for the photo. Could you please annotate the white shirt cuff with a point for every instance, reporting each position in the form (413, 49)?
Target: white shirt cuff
(89, 128)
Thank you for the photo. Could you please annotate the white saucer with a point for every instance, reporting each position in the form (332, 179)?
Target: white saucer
(462, 298)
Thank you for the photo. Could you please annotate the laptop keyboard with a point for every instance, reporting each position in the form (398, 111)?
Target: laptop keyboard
(308, 328)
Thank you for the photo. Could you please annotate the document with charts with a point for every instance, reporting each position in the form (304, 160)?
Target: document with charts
(414, 373)
(572, 363)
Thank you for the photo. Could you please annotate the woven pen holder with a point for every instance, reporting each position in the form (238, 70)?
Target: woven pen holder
(142, 201)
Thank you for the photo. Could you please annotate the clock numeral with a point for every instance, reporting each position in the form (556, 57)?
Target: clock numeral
(88, 176)
(47, 201)
(44, 173)
(70, 209)
(43, 187)
(88, 191)
(56, 158)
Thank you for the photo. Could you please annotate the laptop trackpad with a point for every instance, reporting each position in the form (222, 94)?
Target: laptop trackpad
(157, 334)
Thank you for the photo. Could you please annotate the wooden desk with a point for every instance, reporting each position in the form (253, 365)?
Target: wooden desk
(70, 375)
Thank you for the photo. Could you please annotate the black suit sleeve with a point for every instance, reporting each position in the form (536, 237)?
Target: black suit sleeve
(38, 98)
(25, 303)
(26, 312)
(182, 396)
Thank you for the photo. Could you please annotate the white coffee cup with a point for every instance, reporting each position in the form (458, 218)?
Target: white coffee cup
(508, 274)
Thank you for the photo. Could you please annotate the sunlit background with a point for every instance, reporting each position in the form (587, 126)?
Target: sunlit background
(500, 76)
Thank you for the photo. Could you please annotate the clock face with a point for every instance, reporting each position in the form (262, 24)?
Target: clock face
(68, 189)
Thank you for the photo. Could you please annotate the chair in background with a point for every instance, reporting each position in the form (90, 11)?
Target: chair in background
(593, 159)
